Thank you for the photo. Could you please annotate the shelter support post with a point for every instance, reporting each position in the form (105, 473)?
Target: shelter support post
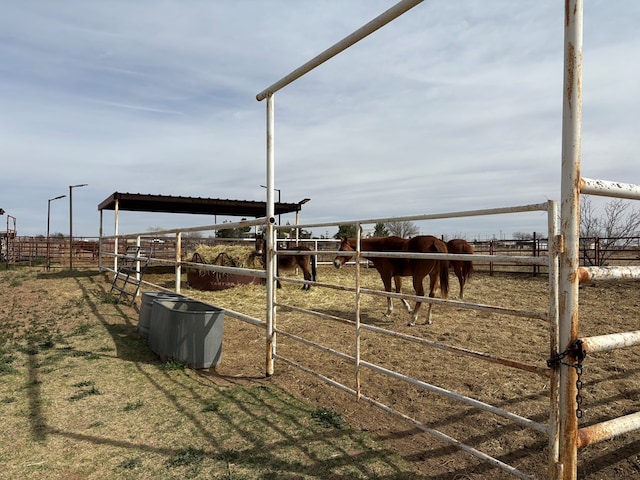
(178, 260)
(270, 234)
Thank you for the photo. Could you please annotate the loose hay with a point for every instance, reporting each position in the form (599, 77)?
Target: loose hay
(241, 256)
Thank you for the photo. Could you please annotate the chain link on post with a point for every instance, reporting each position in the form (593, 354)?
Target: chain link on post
(579, 353)
(578, 367)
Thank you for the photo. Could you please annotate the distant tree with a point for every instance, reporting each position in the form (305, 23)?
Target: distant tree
(380, 230)
(291, 232)
(349, 231)
(402, 229)
(522, 236)
(304, 233)
(192, 235)
(615, 230)
(237, 232)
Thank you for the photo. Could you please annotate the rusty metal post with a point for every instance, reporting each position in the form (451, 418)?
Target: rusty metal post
(570, 227)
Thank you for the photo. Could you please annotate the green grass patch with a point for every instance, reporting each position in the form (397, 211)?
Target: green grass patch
(84, 383)
(109, 299)
(328, 418)
(211, 406)
(6, 361)
(188, 456)
(84, 393)
(82, 329)
(130, 406)
(130, 463)
(172, 364)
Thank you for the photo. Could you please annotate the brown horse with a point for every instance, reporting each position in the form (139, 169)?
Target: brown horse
(462, 268)
(288, 262)
(80, 246)
(396, 268)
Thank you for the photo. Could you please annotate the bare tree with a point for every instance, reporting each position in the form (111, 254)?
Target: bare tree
(402, 229)
(613, 231)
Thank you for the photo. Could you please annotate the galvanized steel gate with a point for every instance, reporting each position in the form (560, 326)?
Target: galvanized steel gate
(564, 435)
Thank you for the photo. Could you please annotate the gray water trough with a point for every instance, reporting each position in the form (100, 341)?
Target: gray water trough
(188, 331)
(146, 305)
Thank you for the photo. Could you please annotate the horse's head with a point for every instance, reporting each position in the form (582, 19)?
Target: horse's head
(345, 246)
(260, 244)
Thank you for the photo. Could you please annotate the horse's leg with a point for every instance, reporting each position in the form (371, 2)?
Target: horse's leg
(306, 271)
(433, 286)
(278, 284)
(419, 288)
(398, 281)
(457, 268)
(386, 280)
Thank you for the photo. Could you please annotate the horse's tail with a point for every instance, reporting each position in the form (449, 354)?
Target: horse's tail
(467, 269)
(313, 267)
(444, 270)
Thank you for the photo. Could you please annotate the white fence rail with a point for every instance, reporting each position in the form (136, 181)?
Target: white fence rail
(359, 365)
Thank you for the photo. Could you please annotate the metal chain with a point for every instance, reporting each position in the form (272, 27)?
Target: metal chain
(578, 367)
(579, 353)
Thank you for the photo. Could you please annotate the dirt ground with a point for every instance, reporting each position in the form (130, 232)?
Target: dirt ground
(611, 380)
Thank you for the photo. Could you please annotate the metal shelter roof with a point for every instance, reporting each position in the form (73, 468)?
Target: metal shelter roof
(139, 202)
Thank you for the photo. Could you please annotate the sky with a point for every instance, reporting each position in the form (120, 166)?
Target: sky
(454, 106)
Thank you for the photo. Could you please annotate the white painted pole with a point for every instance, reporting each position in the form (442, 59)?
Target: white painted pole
(115, 233)
(554, 381)
(375, 24)
(610, 189)
(271, 239)
(570, 224)
(178, 260)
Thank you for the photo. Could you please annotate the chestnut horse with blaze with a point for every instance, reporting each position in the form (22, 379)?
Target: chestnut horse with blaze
(462, 268)
(396, 268)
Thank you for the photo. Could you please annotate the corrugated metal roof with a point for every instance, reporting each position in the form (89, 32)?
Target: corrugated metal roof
(138, 202)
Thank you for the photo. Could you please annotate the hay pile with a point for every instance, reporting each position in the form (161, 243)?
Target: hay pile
(241, 256)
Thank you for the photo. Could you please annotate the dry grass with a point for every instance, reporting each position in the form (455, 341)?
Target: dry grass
(611, 380)
(168, 431)
(82, 397)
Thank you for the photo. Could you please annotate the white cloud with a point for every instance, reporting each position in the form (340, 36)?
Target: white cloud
(454, 106)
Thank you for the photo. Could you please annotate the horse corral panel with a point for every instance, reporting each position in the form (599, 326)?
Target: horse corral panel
(566, 351)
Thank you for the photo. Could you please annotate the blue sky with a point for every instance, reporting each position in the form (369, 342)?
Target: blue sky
(454, 106)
